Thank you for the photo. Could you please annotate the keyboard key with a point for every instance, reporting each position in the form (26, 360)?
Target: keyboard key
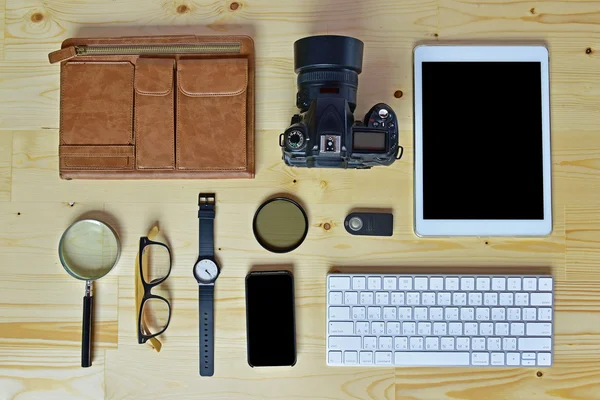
(497, 358)
(366, 357)
(451, 283)
(528, 356)
(335, 298)
(405, 283)
(544, 359)
(359, 313)
(499, 284)
(428, 299)
(486, 329)
(420, 283)
(538, 329)
(482, 314)
(494, 344)
(545, 284)
(471, 329)
(366, 298)
(377, 328)
(467, 283)
(409, 328)
(413, 298)
(369, 343)
(529, 314)
(339, 312)
(514, 314)
(467, 314)
(490, 299)
(509, 344)
(514, 284)
(513, 359)
(383, 357)
(517, 329)
(401, 343)
(522, 299)
(475, 299)
(398, 299)
(344, 342)
(432, 343)
(389, 313)
(436, 314)
(455, 328)
(339, 282)
(459, 299)
(374, 312)
(385, 343)
(447, 343)
(434, 358)
(420, 313)
(451, 314)
(436, 284)
(389, 283)
(541, 299)
(463, 343)
(335, 357)
(416, 343)
(527, 363)
(530, 284)
(443, 299)
(351, 357)
(374, 283)
(359, 283)
(501, 329)
(480, 358)
(535, 344)
(440, 329)
(506, 299)
(382, 298)
(341, 328)
(482, 284)
(424, 328)
(404, 313)
(362, 328)
(351, 298)
(498, 314)
(545, 314)
(393, 328)
(478, 343)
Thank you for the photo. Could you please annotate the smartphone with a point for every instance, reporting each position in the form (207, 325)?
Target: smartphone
(270, 319)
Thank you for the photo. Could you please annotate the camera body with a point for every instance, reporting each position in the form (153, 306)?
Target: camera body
(325, 134)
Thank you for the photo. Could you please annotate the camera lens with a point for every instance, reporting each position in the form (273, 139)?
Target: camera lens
(327, 66)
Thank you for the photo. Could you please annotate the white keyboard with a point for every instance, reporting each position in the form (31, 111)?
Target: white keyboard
(439, 320)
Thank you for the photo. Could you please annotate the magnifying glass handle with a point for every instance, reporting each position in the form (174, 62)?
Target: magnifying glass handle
(86, 335)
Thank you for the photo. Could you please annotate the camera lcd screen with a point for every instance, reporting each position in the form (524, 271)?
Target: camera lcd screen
(369, 141)
(482, 141)
(270, 319)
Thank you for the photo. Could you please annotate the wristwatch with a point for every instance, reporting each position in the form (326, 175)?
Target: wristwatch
(206, 272)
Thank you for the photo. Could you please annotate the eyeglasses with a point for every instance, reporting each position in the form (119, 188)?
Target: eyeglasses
(154, 311)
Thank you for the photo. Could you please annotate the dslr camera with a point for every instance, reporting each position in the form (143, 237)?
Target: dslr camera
(324, 134)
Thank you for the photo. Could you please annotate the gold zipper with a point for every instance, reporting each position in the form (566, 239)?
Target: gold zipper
(200, 48)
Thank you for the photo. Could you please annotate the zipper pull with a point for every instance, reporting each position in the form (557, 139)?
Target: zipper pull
(62, 55)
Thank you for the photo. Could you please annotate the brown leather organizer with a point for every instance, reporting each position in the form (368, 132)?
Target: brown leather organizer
(156, 107)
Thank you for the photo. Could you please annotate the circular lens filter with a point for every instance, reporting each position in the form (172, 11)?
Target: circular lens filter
(280, 225)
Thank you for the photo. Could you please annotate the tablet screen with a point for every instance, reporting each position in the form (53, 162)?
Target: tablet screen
(482, 141)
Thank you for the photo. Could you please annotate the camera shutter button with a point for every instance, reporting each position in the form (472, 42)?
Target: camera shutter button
(383, 113)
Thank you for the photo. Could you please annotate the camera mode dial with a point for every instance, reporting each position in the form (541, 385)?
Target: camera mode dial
(295, 139)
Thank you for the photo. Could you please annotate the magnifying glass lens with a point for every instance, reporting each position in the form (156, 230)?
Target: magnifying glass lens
(89, 249)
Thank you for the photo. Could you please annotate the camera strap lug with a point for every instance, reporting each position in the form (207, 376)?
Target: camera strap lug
(399, 152)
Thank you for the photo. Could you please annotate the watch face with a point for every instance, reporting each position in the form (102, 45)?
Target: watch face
(206, 271)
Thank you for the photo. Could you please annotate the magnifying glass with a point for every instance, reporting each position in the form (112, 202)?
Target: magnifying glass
(88, 250)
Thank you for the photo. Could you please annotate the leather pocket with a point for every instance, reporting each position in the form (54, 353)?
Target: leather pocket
(211, 114)
(96, 157)
(96, 103)
(154, 121)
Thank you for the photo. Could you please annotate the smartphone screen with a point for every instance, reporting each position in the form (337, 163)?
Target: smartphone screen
(270, 319)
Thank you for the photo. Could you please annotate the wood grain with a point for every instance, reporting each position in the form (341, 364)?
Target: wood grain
(40, 306)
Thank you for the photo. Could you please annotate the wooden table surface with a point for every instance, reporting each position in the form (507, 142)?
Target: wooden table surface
(40, 305)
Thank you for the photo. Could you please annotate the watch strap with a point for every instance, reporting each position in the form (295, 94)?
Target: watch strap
(206, 296)
(206, 221)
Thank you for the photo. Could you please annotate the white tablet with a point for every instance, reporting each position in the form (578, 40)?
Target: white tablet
(482, 141)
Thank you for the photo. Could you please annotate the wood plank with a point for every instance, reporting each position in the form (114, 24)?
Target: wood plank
(583, 243)
(5, 165)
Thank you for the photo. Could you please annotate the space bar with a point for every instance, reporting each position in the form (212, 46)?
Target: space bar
(420, 358)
